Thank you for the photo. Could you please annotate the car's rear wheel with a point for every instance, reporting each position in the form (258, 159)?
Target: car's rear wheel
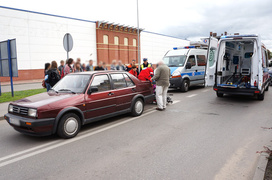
(138, 107)
(219, 94)
(69, 126)
(260, 96)
(184, 86)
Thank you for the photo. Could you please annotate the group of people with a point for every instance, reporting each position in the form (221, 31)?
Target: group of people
(159, 74)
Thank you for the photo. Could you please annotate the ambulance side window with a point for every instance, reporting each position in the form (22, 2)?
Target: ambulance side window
(192, 60)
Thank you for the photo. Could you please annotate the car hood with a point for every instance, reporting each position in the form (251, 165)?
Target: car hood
(42, 99)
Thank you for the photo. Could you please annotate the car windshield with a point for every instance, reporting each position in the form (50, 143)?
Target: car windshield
(72, 83)
(174, 61)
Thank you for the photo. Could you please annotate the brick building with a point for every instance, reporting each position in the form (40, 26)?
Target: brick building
(117, 42)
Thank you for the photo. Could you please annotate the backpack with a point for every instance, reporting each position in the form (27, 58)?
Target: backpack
(53, 77)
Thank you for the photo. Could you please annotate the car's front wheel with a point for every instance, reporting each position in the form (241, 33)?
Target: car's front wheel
(138, 107)
(69, 126)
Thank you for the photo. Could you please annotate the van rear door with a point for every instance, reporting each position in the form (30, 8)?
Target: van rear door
(211, 62)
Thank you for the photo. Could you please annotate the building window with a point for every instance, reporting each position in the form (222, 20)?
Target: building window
(126, 41)
(105, 39)
(134, 42)
(116, 40)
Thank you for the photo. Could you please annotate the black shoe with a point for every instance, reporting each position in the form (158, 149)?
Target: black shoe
(159, 109)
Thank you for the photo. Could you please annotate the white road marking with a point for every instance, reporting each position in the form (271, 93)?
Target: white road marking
(192, 95)
(59, 143)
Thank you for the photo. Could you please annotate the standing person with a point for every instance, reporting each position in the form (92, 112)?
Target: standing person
(61, 67)
(120, 66)
(46, 68)
(83, 67)
(105, 66)
(99, 67)
(90, 66)
(68, 67)
(77, 67)
(145, 64)
(113, 65)
(162, 77)
(133, 63)
(53, 74)
(133, 71)
(78, 60)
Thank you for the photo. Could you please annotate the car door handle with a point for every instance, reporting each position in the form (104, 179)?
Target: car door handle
(110, 94)
(133, 89)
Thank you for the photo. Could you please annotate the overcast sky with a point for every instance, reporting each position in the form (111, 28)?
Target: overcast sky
(185, 19)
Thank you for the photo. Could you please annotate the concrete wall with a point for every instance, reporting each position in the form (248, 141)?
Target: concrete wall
(154, 46)
(40, 38)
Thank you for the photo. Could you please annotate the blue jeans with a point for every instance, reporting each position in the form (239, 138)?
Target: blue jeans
(48, 87)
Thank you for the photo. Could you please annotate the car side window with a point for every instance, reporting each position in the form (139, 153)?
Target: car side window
(129, 81)
(201, 60)
(192, 60)
(102, 82)
(118, 81)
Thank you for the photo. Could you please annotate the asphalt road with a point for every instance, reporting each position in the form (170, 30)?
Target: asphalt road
(200, 136)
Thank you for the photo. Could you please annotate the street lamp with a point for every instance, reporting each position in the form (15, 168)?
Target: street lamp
(138, 33)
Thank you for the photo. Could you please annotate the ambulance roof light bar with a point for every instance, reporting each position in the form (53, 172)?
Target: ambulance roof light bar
(238, 36)
(185, 47)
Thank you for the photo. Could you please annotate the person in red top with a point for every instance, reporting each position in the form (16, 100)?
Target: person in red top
(146, 74)
(133, 71)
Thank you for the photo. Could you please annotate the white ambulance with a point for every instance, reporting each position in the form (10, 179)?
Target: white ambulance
(238, 65)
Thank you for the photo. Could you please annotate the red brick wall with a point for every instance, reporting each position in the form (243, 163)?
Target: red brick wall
(26, 75)
(108, 52)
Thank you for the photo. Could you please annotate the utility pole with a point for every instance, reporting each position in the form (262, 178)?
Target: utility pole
(138, 33)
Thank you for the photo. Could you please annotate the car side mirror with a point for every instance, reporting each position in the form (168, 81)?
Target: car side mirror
(188, 65)
(92, 90)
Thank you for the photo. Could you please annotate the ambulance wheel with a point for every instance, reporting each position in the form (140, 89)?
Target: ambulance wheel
(219, 94)
(260, 96)
(184, 86)
(266, 89)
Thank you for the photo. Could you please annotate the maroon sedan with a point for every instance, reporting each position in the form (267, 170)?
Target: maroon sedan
(79, 99)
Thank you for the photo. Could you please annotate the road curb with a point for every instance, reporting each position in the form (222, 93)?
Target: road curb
(261, 166)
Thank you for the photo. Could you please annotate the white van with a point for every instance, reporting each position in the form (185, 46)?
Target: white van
(239, 65)
(187, 66)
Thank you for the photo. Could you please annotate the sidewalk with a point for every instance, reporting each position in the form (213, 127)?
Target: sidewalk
(21, 85)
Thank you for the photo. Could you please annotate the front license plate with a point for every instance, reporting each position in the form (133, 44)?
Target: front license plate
(14, 121)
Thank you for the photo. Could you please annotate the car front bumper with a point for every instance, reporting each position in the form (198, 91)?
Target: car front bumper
(175, 82)
(35, 127)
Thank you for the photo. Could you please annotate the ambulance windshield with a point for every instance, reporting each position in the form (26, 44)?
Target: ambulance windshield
(174, 61)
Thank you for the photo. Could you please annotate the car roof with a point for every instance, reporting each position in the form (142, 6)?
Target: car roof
(99, 72)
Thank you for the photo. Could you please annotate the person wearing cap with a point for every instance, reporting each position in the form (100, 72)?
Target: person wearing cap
(145, 64)
(129, 67)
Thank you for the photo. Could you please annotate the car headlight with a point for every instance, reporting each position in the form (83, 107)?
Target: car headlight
(32, 112)
(176, 73)
(10, 108)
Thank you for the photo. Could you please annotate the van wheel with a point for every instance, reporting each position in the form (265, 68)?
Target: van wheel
(138, 107)
(219, 94)
(184, 86)
(267, 88)
(69, 126)
(260, 96)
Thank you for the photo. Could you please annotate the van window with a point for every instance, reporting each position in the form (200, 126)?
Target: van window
(192, 60)
(211, 57)
(201, 60)
(174, 61)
